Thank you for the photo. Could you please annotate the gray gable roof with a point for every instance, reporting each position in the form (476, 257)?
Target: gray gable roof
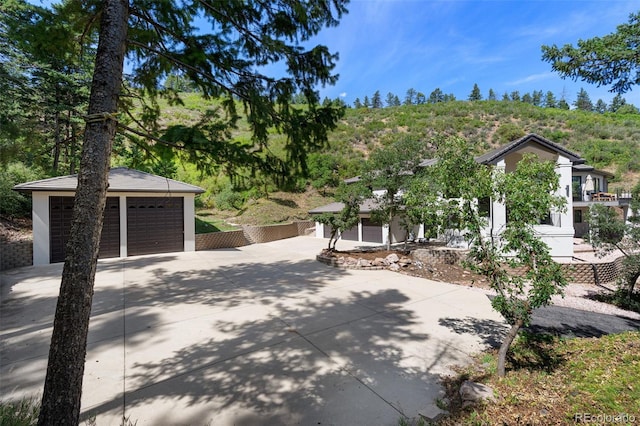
(121, 179)
(492, 157)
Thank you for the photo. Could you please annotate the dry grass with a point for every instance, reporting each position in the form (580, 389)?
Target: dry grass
(553, 382)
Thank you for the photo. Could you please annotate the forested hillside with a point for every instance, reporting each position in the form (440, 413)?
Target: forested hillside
(610, 141)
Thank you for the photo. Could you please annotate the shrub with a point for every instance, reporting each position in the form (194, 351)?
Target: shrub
(14, 203)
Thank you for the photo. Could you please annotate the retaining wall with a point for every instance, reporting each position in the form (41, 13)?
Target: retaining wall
(20, 253)
(579, 273)
(15, 254)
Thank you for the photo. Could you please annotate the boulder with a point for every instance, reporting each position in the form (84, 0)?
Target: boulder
(392, 258)
(472, 393)
(378, 261)
(394, 267)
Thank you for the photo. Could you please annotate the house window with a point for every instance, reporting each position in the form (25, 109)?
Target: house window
(596, 185)
(546, 220)
(484, 206)
(576, 187)
(577, 216)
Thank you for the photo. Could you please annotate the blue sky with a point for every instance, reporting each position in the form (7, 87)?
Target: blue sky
(394, 45)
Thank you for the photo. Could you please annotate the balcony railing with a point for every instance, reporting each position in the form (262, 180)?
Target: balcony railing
(619, 194)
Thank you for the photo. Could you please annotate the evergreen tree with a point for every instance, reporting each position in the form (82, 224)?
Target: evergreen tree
(527, 98)
(536, 98)
(612, 59)
(410, 97)
(366, 103)
(449, 98)
(376, 100)
(583, 102)
(357, 104)
(563, 104)
(475, 94)
(601, 106)
(617, 102)
(492, 95)
(396, 101)
(421, 98)
(515, 96)
(160, 38)
(390, 99)
(505, 97)
(436, 96)
(550, 100)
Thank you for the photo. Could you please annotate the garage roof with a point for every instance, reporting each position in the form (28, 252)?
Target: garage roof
(121, 179)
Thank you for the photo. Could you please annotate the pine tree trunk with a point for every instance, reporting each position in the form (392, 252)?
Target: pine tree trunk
(63, 384)
(506, 344)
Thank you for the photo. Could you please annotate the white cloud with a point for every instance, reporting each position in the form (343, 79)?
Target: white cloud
(531, 78)
(343, 94)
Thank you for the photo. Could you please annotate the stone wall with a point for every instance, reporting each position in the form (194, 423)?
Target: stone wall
(578, 273)
(20, 253)
(264, 234)
(251, 235)
(216, 240)
(15, 254)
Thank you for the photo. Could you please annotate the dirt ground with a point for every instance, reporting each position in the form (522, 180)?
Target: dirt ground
(12, 229)
(437, 272)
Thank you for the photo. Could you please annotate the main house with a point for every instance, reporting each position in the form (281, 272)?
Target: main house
(580, 185)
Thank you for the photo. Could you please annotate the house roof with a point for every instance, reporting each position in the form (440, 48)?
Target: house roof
(591, 169)
(121, 179)
(367, 206)
(492, 157)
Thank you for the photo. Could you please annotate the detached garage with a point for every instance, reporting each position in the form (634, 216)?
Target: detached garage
(144, 214)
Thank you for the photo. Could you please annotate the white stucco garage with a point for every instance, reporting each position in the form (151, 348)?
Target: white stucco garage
(144, 214)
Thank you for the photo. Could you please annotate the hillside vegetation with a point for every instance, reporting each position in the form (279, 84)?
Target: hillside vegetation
(609, 141)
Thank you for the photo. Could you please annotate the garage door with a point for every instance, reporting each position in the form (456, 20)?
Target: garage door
(350, 234)
(60, 212)
(155, 225)
(371, 231)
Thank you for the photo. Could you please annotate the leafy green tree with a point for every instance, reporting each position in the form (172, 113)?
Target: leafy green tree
(160, 38)
(376, 100)
(609, 233)
(436, 96)
(505, 97)
(527, 98)
(608, 60)
(475, 94)
(390, 169)
(351, 196)
(323, 171)
(449, 97)
(452, 187)
(550, 100)
(515, 96)
(583, 101)
(421, 99)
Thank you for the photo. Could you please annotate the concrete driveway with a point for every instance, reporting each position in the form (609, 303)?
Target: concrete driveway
(262, 334)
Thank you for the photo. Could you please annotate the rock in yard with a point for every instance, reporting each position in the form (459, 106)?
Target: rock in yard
(472, 393)
(363, 263)
(394, 267)
(392, 258)
(378, 261)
